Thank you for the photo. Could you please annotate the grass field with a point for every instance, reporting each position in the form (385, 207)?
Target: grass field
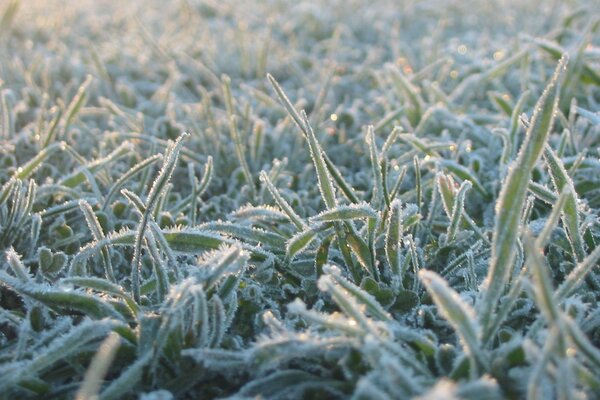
(281, 200)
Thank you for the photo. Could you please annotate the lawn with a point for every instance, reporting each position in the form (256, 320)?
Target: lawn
(268, 199)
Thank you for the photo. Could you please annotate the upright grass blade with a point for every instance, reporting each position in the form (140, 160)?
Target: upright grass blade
(299, 242)
(557, 209)
(157, 189)
(393, 236)
(73, 109)
(239, 151)
(542, 286)
(198, 188)
(17, 266)
(345, 188)
(457, 212)
(98, 234)
(418, 182)
(8, 15)
(408, 89)
(98, 368)
(316, 153)
(159, 268)
(127, 380)
(464, 174)
(378, 191)
(287, 104)
(514, 124)
(6, 101)
(323, 176)
(447, 188)
(570, 216)
(512, 196)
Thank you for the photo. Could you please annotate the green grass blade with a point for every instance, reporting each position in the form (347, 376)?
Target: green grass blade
(542, 286)
(457, 211)
(458, 313)
(392, 237)
(323, 176)
(98, 234)
(98, 368)
(285, 207)
(570, 217)
(512, 196)
(139, 167)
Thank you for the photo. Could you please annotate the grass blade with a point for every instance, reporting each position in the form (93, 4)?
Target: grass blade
(458, 313)
(512, 196)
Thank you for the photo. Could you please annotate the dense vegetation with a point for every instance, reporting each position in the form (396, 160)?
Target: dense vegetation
(357, 199)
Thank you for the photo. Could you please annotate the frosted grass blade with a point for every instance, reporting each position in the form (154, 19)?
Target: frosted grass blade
(375, 167)
(157, 189)
(542, 286)
(457, 211)
(324, 178)
(98, 234)
(512, 196)
(458, 313)
(393, 235)
(575, 278)
(139, 167)
(285, 207)
(562, 182)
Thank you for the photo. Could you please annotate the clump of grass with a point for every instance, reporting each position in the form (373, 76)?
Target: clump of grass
(356, 210)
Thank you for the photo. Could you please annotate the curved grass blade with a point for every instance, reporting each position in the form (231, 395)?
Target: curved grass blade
(285, 207)
(300, 241)
(62, 300)
(346, 213)
(80, 175)
(103, 286)
(458, 313)
(512, 196)
(58, 349)
(139, 167)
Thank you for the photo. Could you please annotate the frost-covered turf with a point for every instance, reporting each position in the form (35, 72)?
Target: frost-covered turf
(371, 199)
